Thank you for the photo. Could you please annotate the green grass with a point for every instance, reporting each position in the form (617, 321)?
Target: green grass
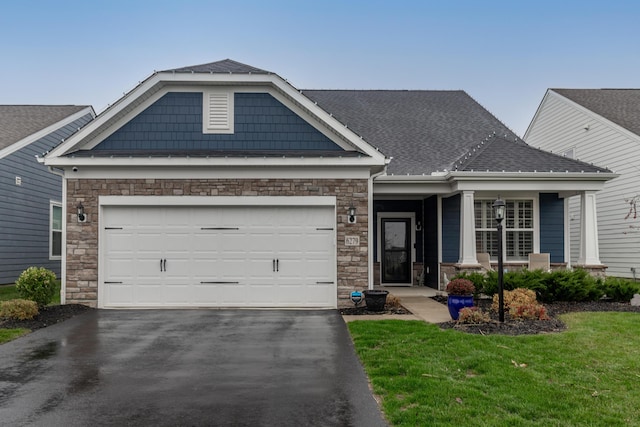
(425, 376)
(8, 292)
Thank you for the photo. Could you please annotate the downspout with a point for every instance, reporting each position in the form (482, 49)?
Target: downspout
(370, 221)
(63, 261)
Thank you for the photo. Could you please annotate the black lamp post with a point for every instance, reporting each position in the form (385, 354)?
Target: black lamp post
(499, 208)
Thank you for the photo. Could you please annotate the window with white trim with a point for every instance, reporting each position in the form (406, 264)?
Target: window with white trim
(518, 229)
(55, 234)
(217, 111)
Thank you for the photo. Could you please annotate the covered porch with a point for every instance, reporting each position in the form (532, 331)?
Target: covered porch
(425, 231)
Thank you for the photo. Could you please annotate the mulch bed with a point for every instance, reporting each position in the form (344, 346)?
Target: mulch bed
(48, 316)
(362, 309)
(530, 327)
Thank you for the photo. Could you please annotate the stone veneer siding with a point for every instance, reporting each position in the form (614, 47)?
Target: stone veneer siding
(82, 238)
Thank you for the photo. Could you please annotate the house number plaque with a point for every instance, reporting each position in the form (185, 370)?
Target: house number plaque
(352, 240)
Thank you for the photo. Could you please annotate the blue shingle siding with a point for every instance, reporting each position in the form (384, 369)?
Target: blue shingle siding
(552, 226)
(174, 122)
(451, 229)
(24, 209)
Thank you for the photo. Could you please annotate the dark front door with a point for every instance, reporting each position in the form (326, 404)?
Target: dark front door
(396, 250)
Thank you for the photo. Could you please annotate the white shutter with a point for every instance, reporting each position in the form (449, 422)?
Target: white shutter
(217, 114)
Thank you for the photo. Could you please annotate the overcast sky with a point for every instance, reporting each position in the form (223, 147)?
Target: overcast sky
(504, 53)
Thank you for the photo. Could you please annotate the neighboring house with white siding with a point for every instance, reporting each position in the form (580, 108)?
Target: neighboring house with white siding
(31, 223)
(600, 126)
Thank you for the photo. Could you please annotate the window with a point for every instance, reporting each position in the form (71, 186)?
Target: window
(518, 229)
(55, 244)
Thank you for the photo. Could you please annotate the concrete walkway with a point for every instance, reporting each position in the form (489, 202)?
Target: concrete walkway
(415, 299)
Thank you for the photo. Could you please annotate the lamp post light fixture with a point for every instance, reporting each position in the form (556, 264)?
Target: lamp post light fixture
(498, 209)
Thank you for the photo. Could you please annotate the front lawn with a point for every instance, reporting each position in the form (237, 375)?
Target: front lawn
(425, 376)
(8, 292)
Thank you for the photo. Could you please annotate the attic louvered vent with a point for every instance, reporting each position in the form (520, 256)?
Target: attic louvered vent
(217, 112)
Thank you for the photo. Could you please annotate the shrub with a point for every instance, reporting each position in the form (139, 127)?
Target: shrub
(392, 301)
(18, 309)
(521, 304)
(460, 287)
(37, 284)
(478, 279)
(620, 289)
(571, 285)
(472, 316)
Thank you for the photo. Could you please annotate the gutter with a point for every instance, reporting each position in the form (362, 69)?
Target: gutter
(370, 225)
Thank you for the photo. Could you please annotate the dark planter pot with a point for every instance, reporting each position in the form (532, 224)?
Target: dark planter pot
(375, 300)
(455, 303)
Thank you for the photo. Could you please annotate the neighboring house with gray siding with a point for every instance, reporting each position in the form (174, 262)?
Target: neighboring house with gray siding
(31, 223)
(600, 126)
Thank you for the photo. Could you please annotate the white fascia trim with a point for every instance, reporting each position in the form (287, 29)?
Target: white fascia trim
(535, 116)
(169, 161)
(397, 188)
(201, 79)
(217, 201)
(307, 172)
(46, 131)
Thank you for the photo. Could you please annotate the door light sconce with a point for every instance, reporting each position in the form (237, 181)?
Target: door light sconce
(82, 217)
(351, 215)
(418, 226)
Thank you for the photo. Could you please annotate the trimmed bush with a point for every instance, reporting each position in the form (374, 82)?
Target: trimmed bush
(478, 279)
(18, 309)
(621, 290)
(571, 285)
(521, 304)
(472, 316)
(37, 284)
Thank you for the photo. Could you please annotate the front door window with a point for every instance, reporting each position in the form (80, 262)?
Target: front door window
(396, 250)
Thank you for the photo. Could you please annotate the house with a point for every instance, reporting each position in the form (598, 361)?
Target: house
(30, 196)
(222, 185)
(600, 126)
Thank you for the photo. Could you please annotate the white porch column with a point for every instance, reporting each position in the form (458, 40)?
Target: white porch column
(467, 230)
(589, 252)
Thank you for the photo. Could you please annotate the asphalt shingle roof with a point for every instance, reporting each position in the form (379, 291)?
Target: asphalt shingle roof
(430, 131)
(19, 121)
(499, 153)
(225, 66)
(621, 106)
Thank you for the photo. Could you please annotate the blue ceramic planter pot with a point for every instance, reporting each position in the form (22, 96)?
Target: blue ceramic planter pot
(455, 303)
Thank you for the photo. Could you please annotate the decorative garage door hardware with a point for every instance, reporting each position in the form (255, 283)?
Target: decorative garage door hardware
(112, 282)
(219, 283)
(276, 265)
(325, 229)
(324, 283)
(219, 228)
(163, 264)
(113, 228)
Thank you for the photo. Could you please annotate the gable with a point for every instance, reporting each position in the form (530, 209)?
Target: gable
(175, 123)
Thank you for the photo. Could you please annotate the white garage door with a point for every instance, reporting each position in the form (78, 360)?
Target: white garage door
(245, 256)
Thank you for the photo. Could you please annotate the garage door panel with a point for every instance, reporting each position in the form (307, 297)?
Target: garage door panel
(220, 257)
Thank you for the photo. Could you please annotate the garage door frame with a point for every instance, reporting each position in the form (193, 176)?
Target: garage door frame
(206, 201)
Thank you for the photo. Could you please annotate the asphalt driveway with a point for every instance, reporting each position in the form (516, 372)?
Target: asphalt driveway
(187, 367)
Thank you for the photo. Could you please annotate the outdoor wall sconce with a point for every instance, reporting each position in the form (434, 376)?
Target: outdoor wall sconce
(81, 215)
(351, 215)
(498, 209)
(418, 226)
